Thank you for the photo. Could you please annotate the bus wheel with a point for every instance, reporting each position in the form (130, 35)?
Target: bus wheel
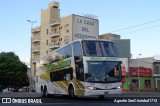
(71, 92)
(45, 92)
(42, 92)
(101, 97)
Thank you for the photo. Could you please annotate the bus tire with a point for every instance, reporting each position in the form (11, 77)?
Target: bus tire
(42, 91)
(101, 97)
(71, 92)
(45, 92)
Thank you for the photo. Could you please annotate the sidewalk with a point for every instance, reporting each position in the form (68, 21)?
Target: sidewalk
(136, 94)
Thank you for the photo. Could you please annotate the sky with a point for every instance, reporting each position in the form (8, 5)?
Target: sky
(137, 20)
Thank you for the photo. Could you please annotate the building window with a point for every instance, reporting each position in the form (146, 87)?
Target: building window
(134, 83)
(47, 42)
(67, 31)
(60, 39)
(147, 83)
(157, 69)
(66, 27)
(47, 31)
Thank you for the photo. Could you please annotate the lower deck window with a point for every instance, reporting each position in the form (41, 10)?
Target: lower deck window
(62, 75)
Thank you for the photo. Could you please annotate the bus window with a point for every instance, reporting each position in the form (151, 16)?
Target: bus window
(80, 72)
(67, 51)
(109, 49)
(62, 75)
(77, 49)
(78, 61)
(91, 48)
(99, 48)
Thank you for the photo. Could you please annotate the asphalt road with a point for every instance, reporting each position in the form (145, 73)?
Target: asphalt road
(124, 99)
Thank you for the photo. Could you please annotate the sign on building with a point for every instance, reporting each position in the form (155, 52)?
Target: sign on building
(84, 27)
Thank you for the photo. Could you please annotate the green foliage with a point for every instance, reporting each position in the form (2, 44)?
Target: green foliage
(12, 71)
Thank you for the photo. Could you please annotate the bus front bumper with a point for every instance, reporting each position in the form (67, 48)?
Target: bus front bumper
(89, 92)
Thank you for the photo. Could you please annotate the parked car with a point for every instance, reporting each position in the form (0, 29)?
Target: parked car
(24, 89)
(8, 90)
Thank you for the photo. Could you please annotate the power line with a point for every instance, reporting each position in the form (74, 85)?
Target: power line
(141, 29)
(136, 25)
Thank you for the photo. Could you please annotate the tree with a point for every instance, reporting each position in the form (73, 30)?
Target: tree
(13, 72)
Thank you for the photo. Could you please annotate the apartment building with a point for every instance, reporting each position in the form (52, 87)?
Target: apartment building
(55, 32)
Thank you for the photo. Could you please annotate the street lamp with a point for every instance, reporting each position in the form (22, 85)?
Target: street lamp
(138, 71)
(32, 22)
(31, 84)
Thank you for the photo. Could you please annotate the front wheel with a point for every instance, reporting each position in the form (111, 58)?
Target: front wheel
(71, 92)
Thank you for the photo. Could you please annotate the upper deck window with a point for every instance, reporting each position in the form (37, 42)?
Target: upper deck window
(99, 48)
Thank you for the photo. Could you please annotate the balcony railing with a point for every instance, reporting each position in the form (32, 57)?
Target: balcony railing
(36, 29)
(53, 34)
(55, 23)
(156, 73)
(35, 39)
(35, 57)
(36, 49)
(54, 45)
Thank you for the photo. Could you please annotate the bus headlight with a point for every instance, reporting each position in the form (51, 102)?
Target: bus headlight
(119, 87)
(90, 87)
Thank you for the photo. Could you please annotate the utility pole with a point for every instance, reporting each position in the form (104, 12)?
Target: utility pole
(31, 84)
(138, 73)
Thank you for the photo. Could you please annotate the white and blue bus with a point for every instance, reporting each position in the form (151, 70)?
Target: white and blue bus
(80, 68)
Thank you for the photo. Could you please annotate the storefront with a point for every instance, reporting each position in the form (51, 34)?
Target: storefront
(124, 67)
(140, 79)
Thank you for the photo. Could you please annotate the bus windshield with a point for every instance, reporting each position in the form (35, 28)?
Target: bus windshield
(103, 72)
(99, 48)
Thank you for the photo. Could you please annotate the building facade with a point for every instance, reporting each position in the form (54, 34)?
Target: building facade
(144, 75)
(55, 32)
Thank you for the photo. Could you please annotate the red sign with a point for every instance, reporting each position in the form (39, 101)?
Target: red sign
(140, 71)
(124, 71)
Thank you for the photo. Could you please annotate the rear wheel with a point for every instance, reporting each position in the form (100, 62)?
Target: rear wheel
(45, 92)
(42, 91)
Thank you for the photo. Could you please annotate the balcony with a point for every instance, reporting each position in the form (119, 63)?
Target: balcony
(156, 73)
(36, 49)
(54, 45)
(55, 23)
(35, 39)
(36, 29)
(54, 34)
(35, 57)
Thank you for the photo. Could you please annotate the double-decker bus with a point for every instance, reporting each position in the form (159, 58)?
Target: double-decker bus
(80, 68)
